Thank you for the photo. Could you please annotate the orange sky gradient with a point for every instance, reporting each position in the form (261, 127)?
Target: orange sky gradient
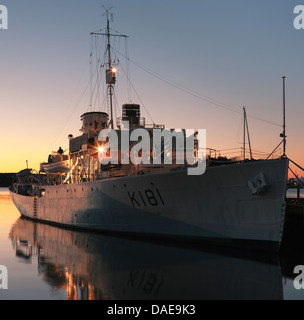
(233, 53)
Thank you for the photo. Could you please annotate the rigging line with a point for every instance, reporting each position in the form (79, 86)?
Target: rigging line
(114, 101)
(99, 62)
(98, 71)
(104, 102)
(259, 151)
(91, 67)
(135, 91)
(127, 69)
(229, 149)
(204, 98)
(94, 56)
(100, 30)
(187, 90)
(129, 81)
(116, 105)
(250, 115)
(73, 110)
(100, 65)
(97, 100)
(97, 57)
(142, 102)
(119, 33)
(117, 110)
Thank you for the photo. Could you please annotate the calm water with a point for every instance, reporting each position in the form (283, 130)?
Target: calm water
(45, 262)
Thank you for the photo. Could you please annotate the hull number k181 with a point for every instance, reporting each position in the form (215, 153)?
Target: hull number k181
(146, 198)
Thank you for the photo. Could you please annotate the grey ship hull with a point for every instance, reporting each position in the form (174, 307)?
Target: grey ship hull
(218, 206)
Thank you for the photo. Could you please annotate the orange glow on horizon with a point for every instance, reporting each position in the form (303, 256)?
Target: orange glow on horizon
(14, 160)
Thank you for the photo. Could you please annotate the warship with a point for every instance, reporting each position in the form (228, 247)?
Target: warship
(235, 202)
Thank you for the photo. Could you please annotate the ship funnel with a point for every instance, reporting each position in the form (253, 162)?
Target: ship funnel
(131, 113)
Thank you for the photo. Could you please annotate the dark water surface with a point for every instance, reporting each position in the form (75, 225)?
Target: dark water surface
(45, 262)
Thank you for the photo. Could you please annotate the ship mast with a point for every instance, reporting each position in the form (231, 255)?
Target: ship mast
(283, 134)
(111, 70)
(112, 80)
(244, 140)
(284, 122)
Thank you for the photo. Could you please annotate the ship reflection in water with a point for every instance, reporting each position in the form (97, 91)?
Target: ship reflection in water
(93, 266)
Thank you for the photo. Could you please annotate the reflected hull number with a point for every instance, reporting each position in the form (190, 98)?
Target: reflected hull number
(147, 283)
(146, 197)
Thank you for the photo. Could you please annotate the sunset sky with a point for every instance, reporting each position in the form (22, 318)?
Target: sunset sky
(194, 64)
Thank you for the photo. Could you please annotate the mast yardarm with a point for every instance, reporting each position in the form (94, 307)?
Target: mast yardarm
(111, 70)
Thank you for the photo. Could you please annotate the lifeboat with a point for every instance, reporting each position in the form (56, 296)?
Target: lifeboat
(57, 163)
